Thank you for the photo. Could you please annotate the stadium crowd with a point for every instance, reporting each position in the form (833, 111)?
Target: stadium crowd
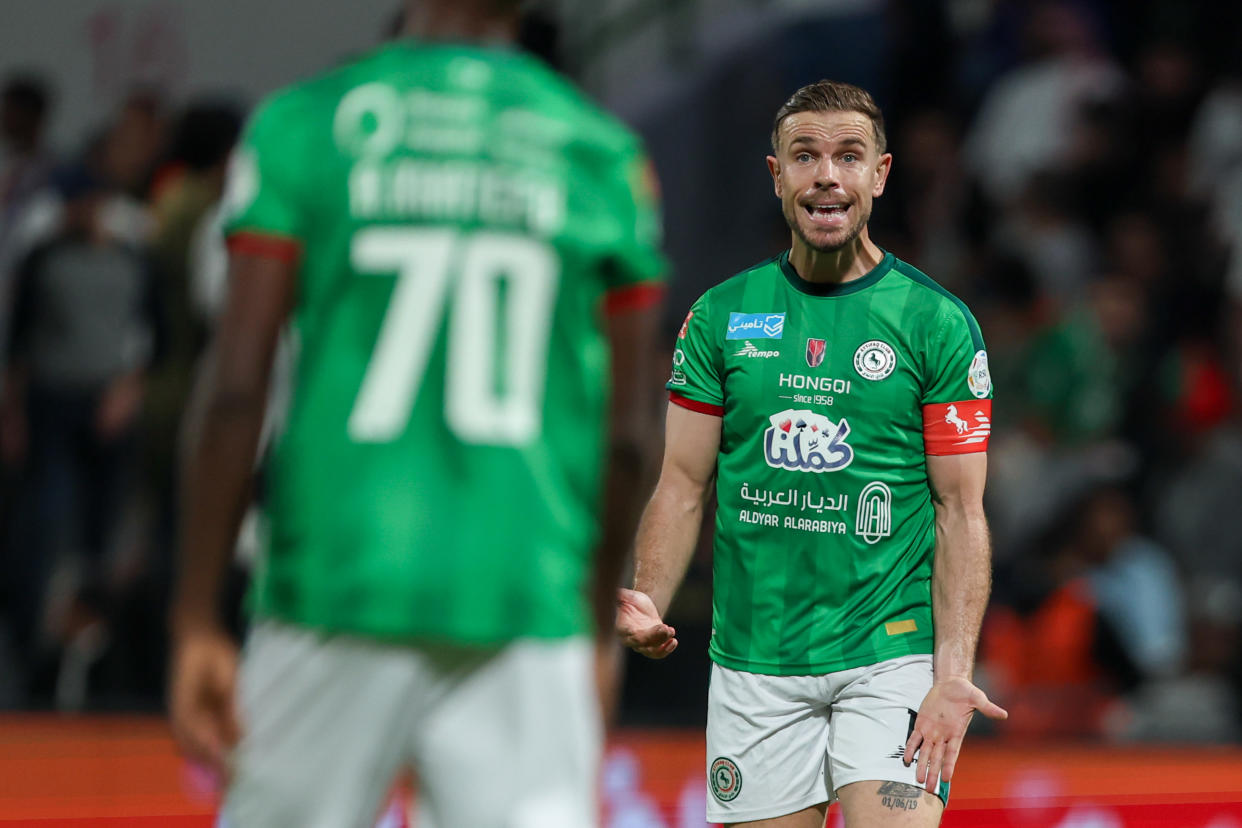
(1072, 170)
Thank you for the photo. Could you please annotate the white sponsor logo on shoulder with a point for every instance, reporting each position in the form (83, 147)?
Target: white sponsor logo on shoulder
(679, 376)
(980, 378)
(874, 360)
(874, 519)
(749, 350)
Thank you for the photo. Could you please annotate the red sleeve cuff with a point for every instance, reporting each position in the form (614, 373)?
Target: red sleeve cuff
(633, 297)
(957, 427)
(265, 245)
(695, 405)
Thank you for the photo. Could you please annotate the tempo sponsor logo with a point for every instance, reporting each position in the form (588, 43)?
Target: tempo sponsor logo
(749, 350)
(874, 519)
(801, 440)
(755, 326)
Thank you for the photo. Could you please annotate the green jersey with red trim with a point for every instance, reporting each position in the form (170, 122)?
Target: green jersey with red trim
(460, 219)
(831, 396)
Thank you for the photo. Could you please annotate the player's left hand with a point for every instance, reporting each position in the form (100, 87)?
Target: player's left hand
(941, 725)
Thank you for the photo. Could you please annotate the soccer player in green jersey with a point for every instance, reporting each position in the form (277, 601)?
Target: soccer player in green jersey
(841, 401)
(466, 251)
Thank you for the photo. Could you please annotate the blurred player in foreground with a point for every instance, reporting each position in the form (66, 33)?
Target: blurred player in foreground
(459, 241)
(841, 400)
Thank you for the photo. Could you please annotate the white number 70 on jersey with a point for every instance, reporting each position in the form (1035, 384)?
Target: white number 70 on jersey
(439, 266)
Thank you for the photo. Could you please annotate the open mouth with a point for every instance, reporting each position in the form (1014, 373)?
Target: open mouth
(827, 214)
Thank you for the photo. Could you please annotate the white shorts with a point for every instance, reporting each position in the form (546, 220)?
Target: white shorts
(507, 737)
(779, 744)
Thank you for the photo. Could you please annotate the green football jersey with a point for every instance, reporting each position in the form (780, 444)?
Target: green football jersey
(461, 219)
(831, 395)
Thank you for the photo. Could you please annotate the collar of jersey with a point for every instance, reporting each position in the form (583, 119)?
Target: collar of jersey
(834, 288)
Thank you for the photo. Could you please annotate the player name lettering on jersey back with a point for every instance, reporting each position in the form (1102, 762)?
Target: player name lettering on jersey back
(801, 381)
(456, 190)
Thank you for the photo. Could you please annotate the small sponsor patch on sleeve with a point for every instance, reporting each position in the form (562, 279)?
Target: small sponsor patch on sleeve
(957, 427)
(979, 379)
(901, 627)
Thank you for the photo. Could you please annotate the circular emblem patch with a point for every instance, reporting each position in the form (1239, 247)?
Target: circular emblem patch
(980, 378)
(725, 779)
(874, 360)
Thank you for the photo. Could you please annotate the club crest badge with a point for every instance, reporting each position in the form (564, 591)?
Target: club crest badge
(725, 779)
(874, 360)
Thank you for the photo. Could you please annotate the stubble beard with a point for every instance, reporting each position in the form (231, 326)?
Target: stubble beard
(791, 218)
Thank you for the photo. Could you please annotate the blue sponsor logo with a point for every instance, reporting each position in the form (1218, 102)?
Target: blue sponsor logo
(756, 326)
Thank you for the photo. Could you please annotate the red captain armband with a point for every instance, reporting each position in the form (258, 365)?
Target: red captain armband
(957, 427)
(695, 405)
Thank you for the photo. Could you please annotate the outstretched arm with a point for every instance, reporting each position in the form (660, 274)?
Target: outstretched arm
(669, 530)
(961, 582)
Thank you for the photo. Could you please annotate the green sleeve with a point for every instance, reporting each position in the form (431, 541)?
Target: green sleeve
(697, 359)
(957, 359)
(263, 193)
(635, 256)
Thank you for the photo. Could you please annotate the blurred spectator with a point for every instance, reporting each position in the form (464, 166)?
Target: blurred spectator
(122, 156)
(1043, 231)
(1079, 374)
(930, 194)
(24, 168)
(1027, 119)
(1045, 648)
(1095, 612)
(186, 187)
(1203, 703)
(86, 327)
(1197, 510)
(1134, 583)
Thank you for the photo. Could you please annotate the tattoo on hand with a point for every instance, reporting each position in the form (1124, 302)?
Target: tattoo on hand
(899, 796)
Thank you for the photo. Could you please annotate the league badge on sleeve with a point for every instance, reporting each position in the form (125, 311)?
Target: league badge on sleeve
(980, 378)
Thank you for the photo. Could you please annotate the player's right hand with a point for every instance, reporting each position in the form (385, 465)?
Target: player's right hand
(640, 627)
(202, 696)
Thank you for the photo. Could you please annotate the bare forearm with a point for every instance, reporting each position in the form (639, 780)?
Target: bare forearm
(218, 466)
(667, 537)
(961, 582)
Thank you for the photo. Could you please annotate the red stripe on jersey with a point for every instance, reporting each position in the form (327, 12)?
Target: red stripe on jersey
(695, 405)
(265, 246)
(633, 297)
(957, 427)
